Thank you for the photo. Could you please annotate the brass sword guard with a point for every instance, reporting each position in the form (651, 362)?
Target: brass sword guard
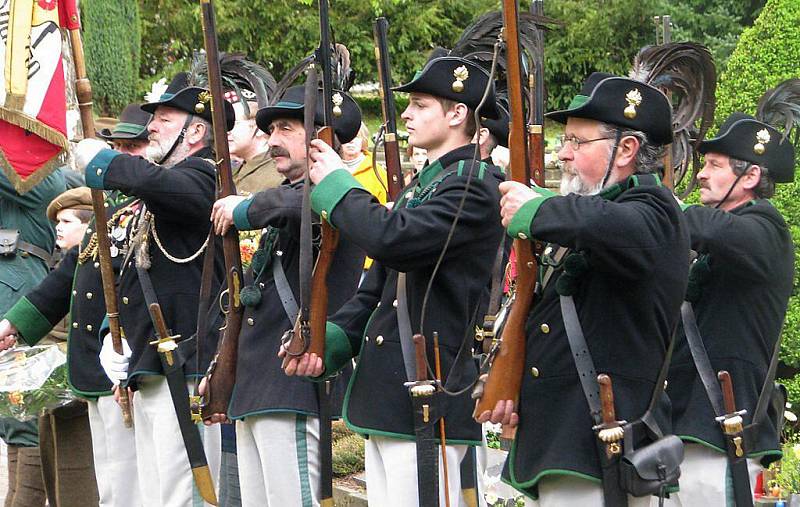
(166, 346)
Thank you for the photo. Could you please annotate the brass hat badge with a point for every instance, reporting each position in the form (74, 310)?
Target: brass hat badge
(634, 99)
(202, 99)
(461, 74)
(762, 136)
(337, 100)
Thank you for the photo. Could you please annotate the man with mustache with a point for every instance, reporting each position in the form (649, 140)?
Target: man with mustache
(739, 287)
(622, 265)
(167, 232)
(277, 415)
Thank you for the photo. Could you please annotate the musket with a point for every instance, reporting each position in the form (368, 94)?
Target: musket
(222, 370)
(391, 148)
(503, 380)
(308, 334)
(83, 90)
(313, 316)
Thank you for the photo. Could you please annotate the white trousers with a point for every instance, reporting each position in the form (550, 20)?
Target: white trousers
(278, 458)
(165, 476)
(705, 478)
(114, 451)
(563, 490)
(391, 469)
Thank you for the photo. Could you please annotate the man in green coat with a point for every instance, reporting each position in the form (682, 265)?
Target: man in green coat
(21, 269)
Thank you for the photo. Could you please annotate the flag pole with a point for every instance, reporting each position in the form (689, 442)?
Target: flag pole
(83, 91)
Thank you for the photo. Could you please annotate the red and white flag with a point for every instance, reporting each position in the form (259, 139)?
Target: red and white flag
(33, 110)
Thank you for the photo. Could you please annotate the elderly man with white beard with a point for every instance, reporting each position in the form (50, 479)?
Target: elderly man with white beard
(613, 275)
(165, 231)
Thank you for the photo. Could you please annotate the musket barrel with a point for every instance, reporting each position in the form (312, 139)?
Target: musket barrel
(220, 382)
(391, 148)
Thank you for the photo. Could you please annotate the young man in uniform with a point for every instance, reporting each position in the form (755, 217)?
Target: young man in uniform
(163, 264)
(738, 291)
(251, 144)
(130, 134)
(278, 415)
(430, 269)
(619, 274)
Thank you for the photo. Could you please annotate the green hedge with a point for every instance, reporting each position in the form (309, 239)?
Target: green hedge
(767, 54)
(371, 105)
(112, 41)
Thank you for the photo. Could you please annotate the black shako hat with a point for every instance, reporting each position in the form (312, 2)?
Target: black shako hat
(622, 102)
(191, 99)
(457, 79)
(132, 125)
(499, 127)
(291, 104)
(742, 136)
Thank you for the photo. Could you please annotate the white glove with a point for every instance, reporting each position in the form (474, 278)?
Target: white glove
(86, 150)
(115, 365)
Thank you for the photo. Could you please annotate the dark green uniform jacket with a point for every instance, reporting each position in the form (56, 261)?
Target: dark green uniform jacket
(74, 288)
(636, 243)
(180, 199)
(740, 308)
(21, 272)
(261, 385)
(410, 239)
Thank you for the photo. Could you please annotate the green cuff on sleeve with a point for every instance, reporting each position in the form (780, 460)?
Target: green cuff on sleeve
(520, 225)
(31, 325)
(97, 168)
(240, 220)
(685, 206)
(327, 194)
(337, 349)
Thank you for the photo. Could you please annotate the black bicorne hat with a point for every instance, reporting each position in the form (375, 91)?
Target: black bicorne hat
(457, 79)
(622, 102)
(191, 99)
(743, 137)
(499, 127)
(290, 105)
(132, 125)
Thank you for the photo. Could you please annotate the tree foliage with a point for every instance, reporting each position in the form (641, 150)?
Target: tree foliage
(715, 23)
(597, 35)
(112, 41)
(767, 53)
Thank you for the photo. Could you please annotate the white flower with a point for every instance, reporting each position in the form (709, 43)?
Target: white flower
(156, 91)
(491, 497)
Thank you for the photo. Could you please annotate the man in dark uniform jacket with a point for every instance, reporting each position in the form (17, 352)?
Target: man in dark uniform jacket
(739, 288)
(74, 289)
(410, 239)
(277, 415)
(627, 259)
(168, 236)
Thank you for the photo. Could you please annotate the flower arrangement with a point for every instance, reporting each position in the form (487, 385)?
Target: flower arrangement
(248, 244)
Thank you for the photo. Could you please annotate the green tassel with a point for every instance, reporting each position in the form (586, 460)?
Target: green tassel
(250, 296)
(259, 260)
(566, 285)
(576, 264)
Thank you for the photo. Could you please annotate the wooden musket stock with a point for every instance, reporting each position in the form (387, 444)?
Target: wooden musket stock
(505, 377)
(220, 381)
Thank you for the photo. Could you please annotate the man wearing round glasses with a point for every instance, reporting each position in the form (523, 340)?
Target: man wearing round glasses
(619, 248)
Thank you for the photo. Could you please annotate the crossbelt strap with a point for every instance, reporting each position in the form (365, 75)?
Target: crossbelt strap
(288, 301)
(35, 251)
